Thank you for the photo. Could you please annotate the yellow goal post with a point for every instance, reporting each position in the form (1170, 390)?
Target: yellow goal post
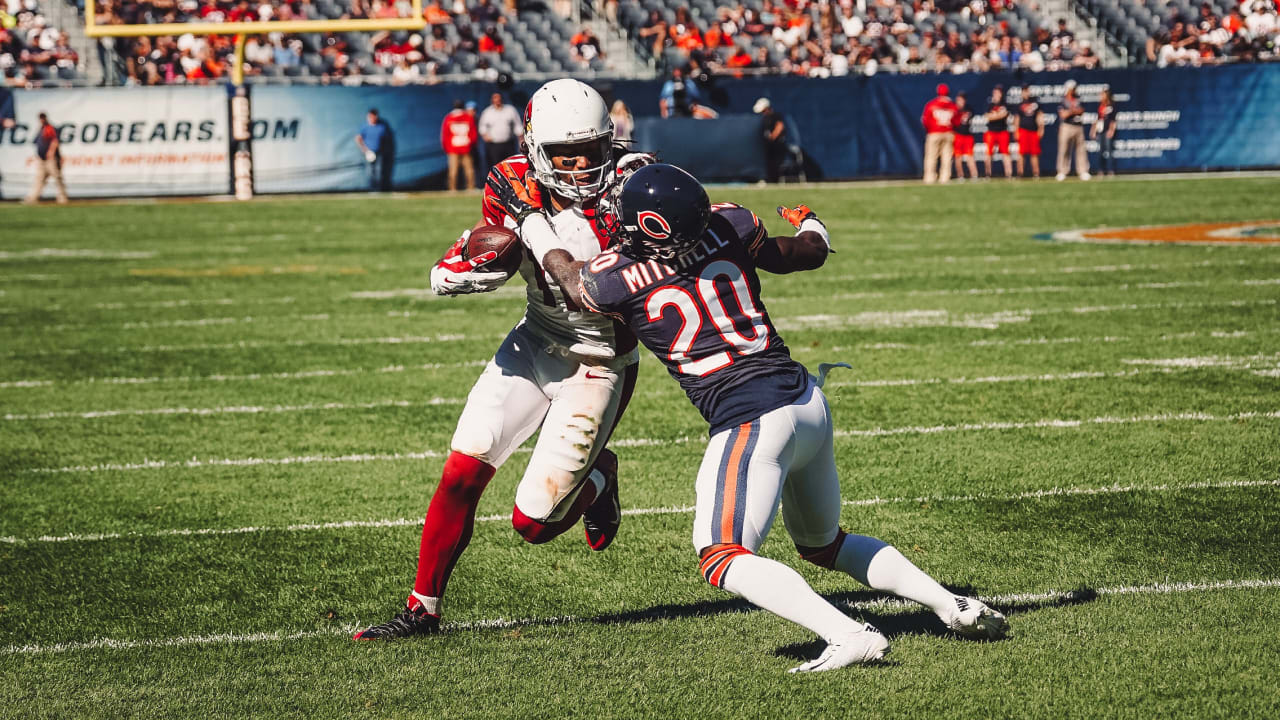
(241, 146)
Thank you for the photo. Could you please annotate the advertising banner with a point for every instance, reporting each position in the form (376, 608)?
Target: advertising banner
(174, 140)
(115, 141)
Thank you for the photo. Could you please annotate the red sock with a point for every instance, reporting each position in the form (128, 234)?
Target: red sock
(450, 518)
(536, 532)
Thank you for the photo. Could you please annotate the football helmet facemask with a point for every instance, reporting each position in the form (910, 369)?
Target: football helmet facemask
(567, 119)
(660, 212)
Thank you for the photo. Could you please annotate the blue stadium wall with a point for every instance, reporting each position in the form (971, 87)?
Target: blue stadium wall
(156, 141)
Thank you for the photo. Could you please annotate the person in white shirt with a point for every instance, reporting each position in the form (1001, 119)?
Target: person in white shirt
(501, 128)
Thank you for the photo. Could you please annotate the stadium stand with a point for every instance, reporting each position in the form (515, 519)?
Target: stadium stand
(42, 43)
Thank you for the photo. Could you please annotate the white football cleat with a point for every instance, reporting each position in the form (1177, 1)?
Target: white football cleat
(866, 644)
(1086, 177)
(974, 620)
(1060, 177)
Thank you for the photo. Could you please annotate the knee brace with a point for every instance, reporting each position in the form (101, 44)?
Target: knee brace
(825, 556)
(715, 561)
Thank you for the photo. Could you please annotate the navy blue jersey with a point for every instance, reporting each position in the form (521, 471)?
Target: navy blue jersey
(702, 316)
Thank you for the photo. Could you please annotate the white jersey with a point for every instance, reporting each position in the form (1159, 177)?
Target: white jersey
(549, 313)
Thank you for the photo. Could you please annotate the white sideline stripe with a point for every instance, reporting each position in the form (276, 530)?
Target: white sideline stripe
(912, 318)
(250, 377)
(1042, 289)
(233, 409)
(642, 442)
(205, 322)
(1067, 270)
(1164, 366)
(238, 462)
(257, 344)
(35, 382)
(1058, 424)
(153, 304)
(502, 623)
(85, 254)
(670, 510)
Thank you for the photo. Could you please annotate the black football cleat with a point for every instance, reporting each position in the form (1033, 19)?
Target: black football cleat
(602, 519)
(407, 624)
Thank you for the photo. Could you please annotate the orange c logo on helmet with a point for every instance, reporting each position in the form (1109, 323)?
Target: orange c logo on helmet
(653, 225)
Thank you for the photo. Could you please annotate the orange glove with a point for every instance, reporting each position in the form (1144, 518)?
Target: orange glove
(797, 214)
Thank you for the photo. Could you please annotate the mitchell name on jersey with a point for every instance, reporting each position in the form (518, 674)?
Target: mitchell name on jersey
(700, 314)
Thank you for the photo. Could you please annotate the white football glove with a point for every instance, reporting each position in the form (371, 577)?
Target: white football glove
(456, 276)
(631, 162)
(370, 155)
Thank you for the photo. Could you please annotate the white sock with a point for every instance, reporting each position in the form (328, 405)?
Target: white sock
(879, 565)
(780, 590)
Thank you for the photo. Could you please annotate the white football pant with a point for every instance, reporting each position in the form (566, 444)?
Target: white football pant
(786, 455)
(530, 383)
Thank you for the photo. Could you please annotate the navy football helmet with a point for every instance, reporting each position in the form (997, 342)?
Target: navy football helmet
(660, 212)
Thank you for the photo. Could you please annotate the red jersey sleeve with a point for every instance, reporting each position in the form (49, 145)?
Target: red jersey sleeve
(509, 191)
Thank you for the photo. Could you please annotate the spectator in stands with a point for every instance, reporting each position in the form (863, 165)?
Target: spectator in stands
(1071, 134)
(1031, 58)
(739, 60)
(939, 123)
(377, 142)
(680, 97)
(501, 129)
(406, 73)
(490, 41)
(458, 137)
(48, 163)
(1030, 121)
(1062, 35)
(1104, 131)
(964, 138)
(434, 14)
(773, 134)
(586, 46)
(655, 33)
(996, 138)
(1086, 58)
(484, 13)
(623, 124)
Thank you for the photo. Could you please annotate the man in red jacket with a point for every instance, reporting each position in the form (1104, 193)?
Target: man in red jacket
(938, 119)
(458, 137)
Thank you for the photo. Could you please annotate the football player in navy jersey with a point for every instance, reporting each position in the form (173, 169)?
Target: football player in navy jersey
(683, 276)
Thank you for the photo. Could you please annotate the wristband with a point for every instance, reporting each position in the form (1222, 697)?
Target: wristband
(814, 225)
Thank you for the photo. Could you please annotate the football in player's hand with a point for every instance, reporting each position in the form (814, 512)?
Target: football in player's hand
(500, 240)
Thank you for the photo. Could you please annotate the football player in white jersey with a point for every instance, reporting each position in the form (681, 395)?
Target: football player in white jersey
(561, 369)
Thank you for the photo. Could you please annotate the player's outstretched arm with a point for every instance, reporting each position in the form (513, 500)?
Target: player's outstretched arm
(806, 250)
(567, 273)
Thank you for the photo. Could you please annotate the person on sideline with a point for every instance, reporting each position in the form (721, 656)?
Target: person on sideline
(939, 121)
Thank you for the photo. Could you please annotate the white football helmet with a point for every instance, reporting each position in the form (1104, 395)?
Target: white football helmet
(569, 113)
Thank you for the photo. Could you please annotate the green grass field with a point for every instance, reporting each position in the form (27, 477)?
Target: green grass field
(220, 426)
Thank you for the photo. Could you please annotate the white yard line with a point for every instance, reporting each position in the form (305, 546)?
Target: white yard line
(670, 510)
(249, 377)
(1165, 588)
(259, 344)
(76, 254)
(237, 462)
(1054, 424)
(230, 410)
(1046, 424)
(941, 317)
(1160, 366)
